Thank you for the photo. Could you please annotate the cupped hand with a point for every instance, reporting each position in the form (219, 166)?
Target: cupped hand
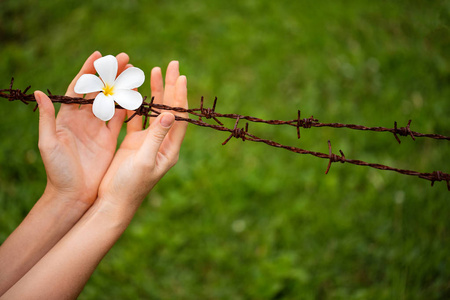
(146, 155)
(76, 147)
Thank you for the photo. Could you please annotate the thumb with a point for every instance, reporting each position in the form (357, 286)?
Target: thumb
(47, 122)
(156, 133)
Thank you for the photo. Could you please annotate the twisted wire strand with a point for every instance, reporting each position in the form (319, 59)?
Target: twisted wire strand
(151, 109)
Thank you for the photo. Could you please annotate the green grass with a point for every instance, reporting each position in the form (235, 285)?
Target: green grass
(246, 221)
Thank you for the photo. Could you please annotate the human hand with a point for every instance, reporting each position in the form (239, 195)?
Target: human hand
(77, 147)
(146, 155)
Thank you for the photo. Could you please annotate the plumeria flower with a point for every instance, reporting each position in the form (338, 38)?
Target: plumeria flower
(111, 89)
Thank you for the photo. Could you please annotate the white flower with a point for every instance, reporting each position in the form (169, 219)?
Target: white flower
(111, 89)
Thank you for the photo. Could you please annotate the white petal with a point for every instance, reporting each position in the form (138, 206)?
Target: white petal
(103, 107)
(106, 67)
(129, 79)
(88, 83)
(128, 99)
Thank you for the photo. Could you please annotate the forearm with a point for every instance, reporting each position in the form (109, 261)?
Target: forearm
(47, 222)
(65, 269)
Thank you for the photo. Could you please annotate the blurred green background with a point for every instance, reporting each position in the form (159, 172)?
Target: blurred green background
(247, 221)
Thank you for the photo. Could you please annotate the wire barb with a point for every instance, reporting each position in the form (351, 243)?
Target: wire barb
(209, 113)
(239, 133)
(334, 157)
(403, 131)
(439, 176)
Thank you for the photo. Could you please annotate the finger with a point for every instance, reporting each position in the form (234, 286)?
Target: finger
(134, 124)
(178, 131)
(122, 60)
(155, 137)
(181, 94)
(116, 122)
(157, 85)
(171, 78)
(47, 122)
(87, 68)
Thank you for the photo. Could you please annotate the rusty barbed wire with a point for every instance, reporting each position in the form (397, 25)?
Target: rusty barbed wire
(151, 109)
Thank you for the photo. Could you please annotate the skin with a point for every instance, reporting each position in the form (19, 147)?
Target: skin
(95, 191)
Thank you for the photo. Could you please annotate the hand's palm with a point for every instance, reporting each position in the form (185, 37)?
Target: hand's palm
(125, 162)
(89, 144)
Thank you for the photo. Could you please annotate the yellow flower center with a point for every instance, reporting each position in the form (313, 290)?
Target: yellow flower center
(108, 90)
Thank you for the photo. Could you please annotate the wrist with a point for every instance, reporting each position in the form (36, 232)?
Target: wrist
(62, 207)
(117, 212)
(78, 199)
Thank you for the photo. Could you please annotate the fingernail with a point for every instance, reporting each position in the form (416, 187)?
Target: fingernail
(167, 120)
(37, 96)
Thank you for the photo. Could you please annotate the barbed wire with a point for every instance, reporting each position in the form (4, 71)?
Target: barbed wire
(151, 109)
